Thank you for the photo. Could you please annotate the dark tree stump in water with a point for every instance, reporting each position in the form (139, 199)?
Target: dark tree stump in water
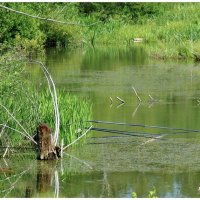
(45, 144)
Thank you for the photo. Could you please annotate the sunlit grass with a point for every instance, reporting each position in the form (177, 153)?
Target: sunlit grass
(31, 105)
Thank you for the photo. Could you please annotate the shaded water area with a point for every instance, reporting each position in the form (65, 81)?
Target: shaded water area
(111, 164)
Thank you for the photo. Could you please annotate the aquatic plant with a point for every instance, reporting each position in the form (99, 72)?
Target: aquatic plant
(151, 194)
(25, 105)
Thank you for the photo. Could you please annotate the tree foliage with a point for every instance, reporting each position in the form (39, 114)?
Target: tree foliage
(25, 31)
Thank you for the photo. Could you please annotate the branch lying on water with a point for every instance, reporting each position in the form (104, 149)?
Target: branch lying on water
(78, 138)
(122, 101)
(111, 100)
(134, 134)
(152, 99)
(151, 140)
(136, 94)
(46, 19)
(82, 161)
(135, 111)
(144, 126)
(121, 104)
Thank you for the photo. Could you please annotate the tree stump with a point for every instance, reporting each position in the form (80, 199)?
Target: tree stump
(46, 148)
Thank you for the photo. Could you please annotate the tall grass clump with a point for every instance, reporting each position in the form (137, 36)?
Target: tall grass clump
(24, 106)
(74, 112)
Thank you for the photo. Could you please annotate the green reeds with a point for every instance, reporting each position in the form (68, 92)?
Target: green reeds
(24, 106)
(171, 33)
(74, 112)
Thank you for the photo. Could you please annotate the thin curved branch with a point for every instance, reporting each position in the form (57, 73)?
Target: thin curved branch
(54, 98)
(46, 19)
(27, 134)
(5, 126)
(78, 138)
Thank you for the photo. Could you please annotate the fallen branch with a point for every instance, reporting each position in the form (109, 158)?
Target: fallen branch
(122, 101)
(78, 138)
(82, 161)
(136, 94)
(5, 126)
(111, 100)
(153, 139)
(121, 104)
(151, 98)
(5, 152)
(135, 111)
(28, 136)
(46, 19)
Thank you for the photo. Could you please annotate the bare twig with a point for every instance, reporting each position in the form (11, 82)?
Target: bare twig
(153, 139)
(54, 99)
(46, 19)
(136, 94)
(120, 99)
(111, 100)
(135, 111)
(5, 126)
(121, 104)
(78, 138)
(5, 152)
(152, 99)
(27, 135)
(82, 161)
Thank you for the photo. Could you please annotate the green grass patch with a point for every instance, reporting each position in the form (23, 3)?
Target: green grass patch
(31, 105)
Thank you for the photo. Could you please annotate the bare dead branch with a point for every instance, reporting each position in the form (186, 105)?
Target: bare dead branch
(27, 135)
(78, 138)
(122, 101)
(136, 94)
(46, 19)
(111, 100)
(5, 152)
(54, 98)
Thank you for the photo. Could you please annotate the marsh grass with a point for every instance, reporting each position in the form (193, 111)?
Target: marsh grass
(32, 105)
(73, 114)
(172, 33)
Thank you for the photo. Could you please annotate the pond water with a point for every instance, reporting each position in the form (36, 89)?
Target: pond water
(112, 164)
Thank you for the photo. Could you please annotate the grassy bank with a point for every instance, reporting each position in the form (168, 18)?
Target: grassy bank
(169, 30)
(31, 104)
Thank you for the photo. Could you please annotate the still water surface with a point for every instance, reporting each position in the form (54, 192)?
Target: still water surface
(112, 165)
